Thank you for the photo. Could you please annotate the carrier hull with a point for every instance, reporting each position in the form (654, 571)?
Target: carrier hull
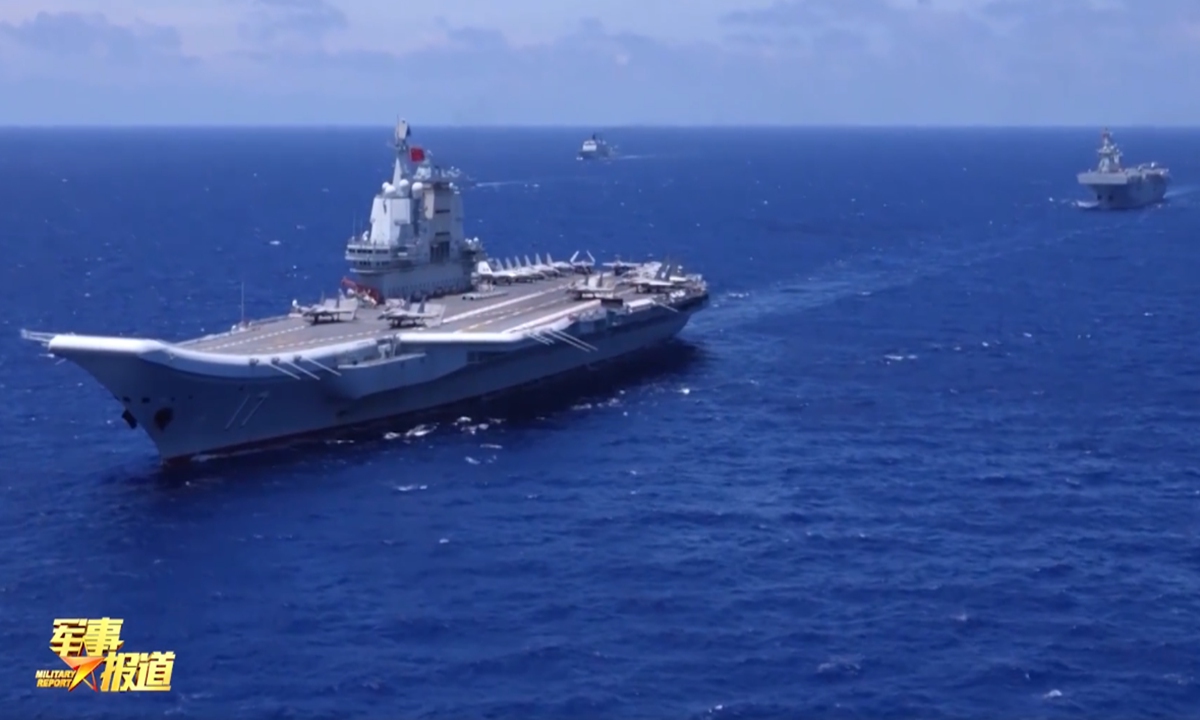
(195, 406)
(1122, 194)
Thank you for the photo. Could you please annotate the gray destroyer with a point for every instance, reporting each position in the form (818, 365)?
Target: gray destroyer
(1120, 188)
(428, 321)
(595, 148)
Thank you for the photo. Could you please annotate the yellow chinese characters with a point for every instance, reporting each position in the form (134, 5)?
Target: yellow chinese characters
(86, 644)
(137, 671)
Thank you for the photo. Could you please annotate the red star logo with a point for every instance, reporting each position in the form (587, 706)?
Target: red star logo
(83, 667)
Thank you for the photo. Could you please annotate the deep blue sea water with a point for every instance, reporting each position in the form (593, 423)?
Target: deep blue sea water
(934, 454)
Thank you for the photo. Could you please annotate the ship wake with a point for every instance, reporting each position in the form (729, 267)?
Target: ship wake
(871, 274)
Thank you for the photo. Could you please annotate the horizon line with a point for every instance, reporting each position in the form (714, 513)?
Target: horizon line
(592, 128)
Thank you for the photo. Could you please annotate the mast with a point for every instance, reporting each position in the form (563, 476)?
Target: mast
(404, 154)
(1110, 154)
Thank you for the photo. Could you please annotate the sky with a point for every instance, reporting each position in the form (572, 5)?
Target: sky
(600, 63)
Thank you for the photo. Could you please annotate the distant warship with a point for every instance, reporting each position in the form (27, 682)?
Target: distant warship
(595, 148)
(430, 321)
(1120, 188)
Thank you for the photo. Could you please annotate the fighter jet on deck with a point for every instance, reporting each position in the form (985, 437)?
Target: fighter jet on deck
(403, 315)
(336, 309)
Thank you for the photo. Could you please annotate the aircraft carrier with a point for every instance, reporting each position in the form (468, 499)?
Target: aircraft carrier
(1121, 188)
(427, 321)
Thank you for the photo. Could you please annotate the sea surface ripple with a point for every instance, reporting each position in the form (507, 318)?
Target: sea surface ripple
(933, 451)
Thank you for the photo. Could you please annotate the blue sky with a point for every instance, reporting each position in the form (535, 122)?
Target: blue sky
(601, 62)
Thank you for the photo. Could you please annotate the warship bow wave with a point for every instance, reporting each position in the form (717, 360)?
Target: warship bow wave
(429, 322)
(1120, 188)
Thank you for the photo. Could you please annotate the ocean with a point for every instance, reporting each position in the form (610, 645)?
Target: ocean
(932, 452)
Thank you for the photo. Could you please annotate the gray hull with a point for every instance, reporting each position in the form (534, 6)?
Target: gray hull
(190, 409)
(599, 153)
(1125, 195)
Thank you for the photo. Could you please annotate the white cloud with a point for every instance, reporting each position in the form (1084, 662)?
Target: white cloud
(69, 45)
(288, 22)
(526, 61)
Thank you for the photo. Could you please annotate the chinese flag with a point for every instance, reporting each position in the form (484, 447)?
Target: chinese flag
(416, 154)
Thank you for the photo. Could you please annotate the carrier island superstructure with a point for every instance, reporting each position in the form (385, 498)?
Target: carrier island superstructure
(1119, 188)
(428, 321)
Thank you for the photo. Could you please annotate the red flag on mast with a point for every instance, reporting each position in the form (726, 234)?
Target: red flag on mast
(416, 154)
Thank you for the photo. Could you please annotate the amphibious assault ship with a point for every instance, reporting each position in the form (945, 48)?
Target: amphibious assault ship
(428, 321)
(1120, 188)
(595, 148)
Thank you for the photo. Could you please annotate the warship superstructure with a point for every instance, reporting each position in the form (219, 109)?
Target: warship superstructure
(595, 148)
(1120, 188)
(427, 321)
